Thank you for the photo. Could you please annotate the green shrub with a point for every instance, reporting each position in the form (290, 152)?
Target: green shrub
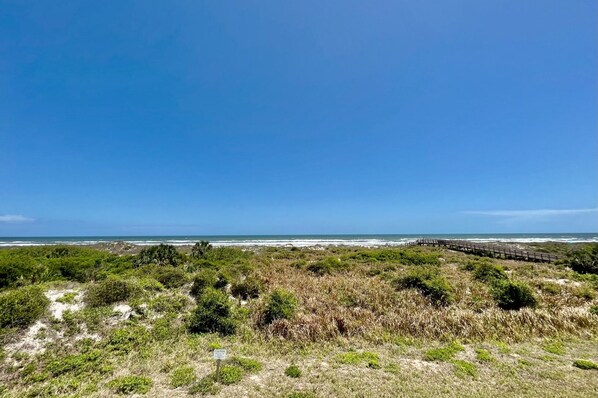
(293, 371)
(171, 277)
(464, 368)
(489, 273)
(204, 279)
(325, 266)
(230, 374)
(483, 355)
(594, 309)
(212, 314)
(584, 260)
(200, 249)
(445, 353)
(248, 288)
(17, 269)
(372, 360)
(131, 385)
(160, 255)
(585, 364)
(430, 283)
(205, 386)
(128, 339)
(22, 306)
(513, 295)
(248, 365)
(281, 305)
(108, 291)
(163, 303)
(182, 376)
(76, 364)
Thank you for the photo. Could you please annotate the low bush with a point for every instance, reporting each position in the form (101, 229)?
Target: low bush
(513, 295)
(17, 269)
(372, 360)
(281, 305)
(250, 287)
(585, 364)
(171, 277)
(131, 385)
(293, 371)
(125, 340)
(430, 283)
(594, 309)
(109, 291)
(325, 266)
(160, 255)
(205, 386)
(76, 364)
(230, 374)
(207, 278)
(182, 376)
(248, 365)
(464, 368)
(22, 306)
(445, 353)
(212, 314)
(200, 250)
(489, 273)
(172, 304)
(584, 260)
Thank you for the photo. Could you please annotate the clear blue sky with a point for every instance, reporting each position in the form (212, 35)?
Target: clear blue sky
(259, 117)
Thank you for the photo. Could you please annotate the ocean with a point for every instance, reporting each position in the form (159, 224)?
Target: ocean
(299, 240)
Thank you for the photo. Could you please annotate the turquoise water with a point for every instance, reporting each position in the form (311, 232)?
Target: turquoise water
(299, 240)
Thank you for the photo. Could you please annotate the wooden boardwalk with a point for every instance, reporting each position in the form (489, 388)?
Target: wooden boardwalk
(492, 250)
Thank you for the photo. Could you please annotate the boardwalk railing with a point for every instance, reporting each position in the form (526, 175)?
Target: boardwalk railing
(489, 250)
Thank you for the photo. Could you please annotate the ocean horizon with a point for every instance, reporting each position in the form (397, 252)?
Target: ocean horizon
(366, 240)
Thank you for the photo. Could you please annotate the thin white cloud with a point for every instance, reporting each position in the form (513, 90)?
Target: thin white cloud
(526, 214)
(15, 219)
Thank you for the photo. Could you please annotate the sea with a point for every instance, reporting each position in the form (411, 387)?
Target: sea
(298, 240)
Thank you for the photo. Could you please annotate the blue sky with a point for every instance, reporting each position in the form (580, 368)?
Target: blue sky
(270, 117)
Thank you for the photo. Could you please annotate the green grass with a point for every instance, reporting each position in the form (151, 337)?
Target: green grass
(555, 347)
(445, 353)
(182, 376)
(464, 368)
(483, 355)
(371, 359)
(131, 385)
(585, 364)
(230, 374)
(293, 372)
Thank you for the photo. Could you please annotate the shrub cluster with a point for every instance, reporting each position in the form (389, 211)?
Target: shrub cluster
(131, 385)
(200, 249)
(325, 266)
(513, 295)
(109, 291)
(22, 306)
(281, 305)
(584, 260)
(509, 295)
(250, 287)
(430, 283)
(171, 277)
(161, 255)
(212, 314)
(208, 278)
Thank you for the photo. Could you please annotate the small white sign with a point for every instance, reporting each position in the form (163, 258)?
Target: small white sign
(220, 354)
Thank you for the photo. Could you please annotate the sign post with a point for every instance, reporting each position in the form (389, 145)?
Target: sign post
(219, 356)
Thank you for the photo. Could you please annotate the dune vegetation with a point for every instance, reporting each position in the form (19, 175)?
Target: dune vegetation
(310, 322)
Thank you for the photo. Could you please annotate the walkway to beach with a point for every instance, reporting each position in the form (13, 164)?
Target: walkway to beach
(492, 250)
